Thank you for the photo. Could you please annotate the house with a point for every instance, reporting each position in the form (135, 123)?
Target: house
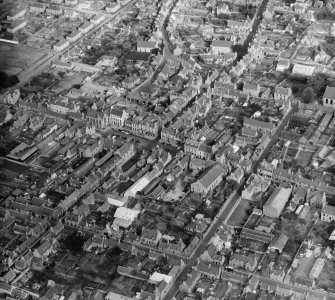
(304, 70)
(208, 180)
(189, 284)
(237, 175)
(118, 116)
(261, 126)
(242, 261)
(54, 10)
(37, 8)
(276, 202)
(124, 217)
(97, 19)
(328, 213)
(251, 89)
(208, 270)
(146, 46)
(328, 98)
(283, 65)
(150, 237)
(219, 47)
(16, 14)
(277, 274)
(315, 198)
(86, 27)
(61, 45)
(282, 93)
(278, 243)
(17, 25)
(112, 7)
(73, 36)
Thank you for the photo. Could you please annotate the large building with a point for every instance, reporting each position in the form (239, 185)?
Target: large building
(328, 213)
(208, 180)
(219, 47)
(276, 202)
(328, 98)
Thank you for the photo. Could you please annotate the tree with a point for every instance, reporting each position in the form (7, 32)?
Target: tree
(74, 242)
(308, 95)
(7, 80)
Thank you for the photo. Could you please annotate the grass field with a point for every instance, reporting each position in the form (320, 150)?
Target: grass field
(14, 59)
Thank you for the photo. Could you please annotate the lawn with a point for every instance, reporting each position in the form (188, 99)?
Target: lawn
(240, 214)
(15, 59)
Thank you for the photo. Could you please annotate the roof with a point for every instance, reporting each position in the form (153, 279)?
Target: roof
(278, 198)
(329, 93)
(328, 209)
(158, 277)
(282, 90)
(149, 45)
(126, 213)
(219, 43)
(207, 177)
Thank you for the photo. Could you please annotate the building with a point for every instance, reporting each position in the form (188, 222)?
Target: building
(258, 125)
(242, 261)
(251, 89)
(304, 70)
(73, 36)
(146, 46)
(86, 27)
(328, 98)
(150, 237)
(208, 180)
(113, 7)
(37, 8)
(124, 217)
(97, 19)
(282, 93)
(54, 10)
(16, 14)
(276, 202)
(16, 26)
(328, 213)
(118, 116)
(219, 47)
(61, 45)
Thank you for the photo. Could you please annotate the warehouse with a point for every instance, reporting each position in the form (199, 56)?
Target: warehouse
(276, 202)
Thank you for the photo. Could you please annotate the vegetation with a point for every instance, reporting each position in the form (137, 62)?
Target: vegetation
(74, 242)
(308, 95)
(7, 81)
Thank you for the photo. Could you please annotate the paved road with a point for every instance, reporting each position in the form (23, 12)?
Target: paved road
(166, 54)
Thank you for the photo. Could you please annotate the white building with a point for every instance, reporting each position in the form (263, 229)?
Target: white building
(113, 7)
(61, 45)
(276, 202)
(328, 98)
(73, 36)
(124, 217)
(138, 186)
(304, 70)
(328, 213)
(219, 47)
(146, 46)
(86, 27)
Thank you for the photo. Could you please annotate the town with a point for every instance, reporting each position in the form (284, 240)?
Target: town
(167, 149)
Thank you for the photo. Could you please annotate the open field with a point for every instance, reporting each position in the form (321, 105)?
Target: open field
(14, 59)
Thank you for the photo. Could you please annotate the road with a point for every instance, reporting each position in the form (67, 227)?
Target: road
(53, 56)
(166, 54)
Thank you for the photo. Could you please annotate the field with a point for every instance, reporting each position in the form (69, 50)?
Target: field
(14, 59)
